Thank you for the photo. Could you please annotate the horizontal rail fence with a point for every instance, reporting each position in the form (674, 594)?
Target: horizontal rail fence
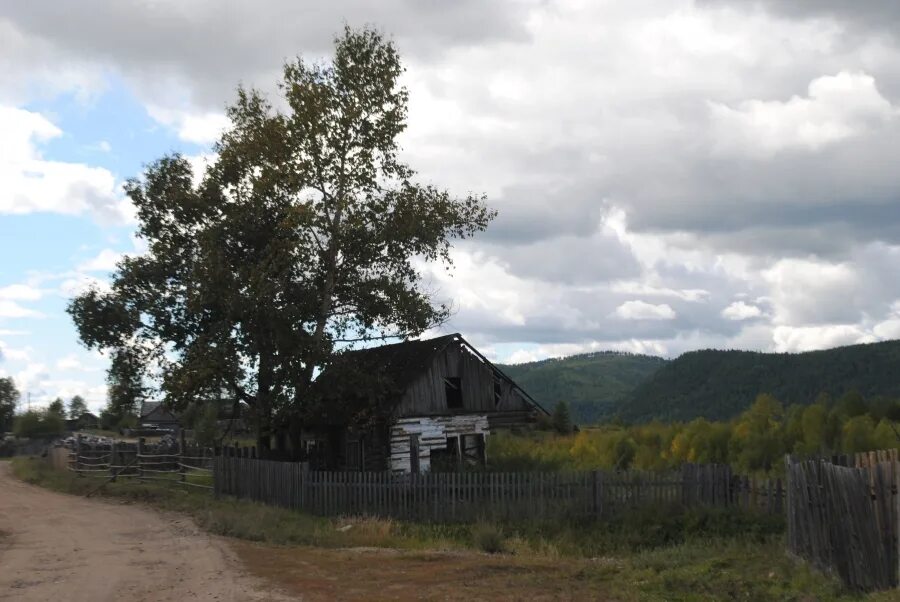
(181, 464)
(468, 496)
(844, 518)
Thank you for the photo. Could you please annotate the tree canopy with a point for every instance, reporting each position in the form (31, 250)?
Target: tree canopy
(9, 396)
(39, 424)
(57, 407)
(721, 384)
(303, 235)
(754, 442)
(77, 407)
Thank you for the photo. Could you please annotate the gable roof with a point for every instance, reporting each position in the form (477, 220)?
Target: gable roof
(395, 366)
(149, 408)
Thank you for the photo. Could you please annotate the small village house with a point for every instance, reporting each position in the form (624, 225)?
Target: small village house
(87, 420)
(154, 415)
(413, 406)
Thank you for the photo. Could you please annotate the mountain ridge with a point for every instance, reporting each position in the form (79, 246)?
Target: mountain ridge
(719, 384)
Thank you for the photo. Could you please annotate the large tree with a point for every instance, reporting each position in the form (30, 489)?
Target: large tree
(9, 396)
(57, 407)
(305, 234)
(77, 407)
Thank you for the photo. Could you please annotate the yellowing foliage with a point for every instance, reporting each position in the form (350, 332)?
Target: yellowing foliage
(754, 442)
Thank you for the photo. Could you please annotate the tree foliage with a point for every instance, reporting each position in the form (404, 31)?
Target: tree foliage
(592, 383)
(124, 386)
(77, 407)
(561, 419)
(304, 234)
(9, 397)
(57, 407)
(721, 384)
(39, 424)
(753, 442)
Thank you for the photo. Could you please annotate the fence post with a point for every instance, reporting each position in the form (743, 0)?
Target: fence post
(181, 446)
(598, 493)
(112, 461)
(216, 472)
(78, 455)
(138, 461)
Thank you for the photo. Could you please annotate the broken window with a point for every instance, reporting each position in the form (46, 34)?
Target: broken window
(498, 391)
(473, 449)
(447, 459)
(453, 391)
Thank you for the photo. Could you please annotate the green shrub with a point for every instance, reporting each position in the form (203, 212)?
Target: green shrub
(35, 424)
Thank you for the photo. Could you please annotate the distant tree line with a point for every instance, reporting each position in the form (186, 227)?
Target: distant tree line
(721, 384)
(38, 423)
(755, 442)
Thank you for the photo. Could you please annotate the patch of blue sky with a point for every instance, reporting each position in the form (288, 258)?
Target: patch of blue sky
(111, 130)
(503, 352)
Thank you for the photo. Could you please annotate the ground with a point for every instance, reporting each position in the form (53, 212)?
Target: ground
(144, 542)
(60, 547)
(55, 546)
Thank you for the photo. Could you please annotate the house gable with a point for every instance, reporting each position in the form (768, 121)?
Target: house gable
(459, 368)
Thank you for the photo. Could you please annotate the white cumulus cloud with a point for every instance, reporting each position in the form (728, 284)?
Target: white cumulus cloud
(34, 184)
(741, 311)
(641, 310)
(837, 107)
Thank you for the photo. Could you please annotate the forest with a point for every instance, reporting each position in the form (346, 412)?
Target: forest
(754, 443)
(593, 384)
(721, 384)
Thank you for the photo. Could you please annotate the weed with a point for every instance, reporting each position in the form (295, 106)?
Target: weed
(488, 537)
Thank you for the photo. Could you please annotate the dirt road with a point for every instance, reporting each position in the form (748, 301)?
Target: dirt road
(62, 547)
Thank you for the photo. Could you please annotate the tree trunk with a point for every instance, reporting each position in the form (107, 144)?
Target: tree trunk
(264, 403)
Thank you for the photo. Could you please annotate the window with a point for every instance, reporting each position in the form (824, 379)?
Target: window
(447, 459)
(498, 392)
(473, 449)
(453, 391)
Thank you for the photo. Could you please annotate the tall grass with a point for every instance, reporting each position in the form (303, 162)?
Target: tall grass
(631, 531)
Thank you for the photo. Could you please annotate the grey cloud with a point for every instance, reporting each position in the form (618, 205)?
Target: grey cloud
(871, 15)
(570, 259)
(211, 45)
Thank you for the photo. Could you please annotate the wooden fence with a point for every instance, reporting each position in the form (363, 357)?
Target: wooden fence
(468, 496)
(845, 518)
(187, 465)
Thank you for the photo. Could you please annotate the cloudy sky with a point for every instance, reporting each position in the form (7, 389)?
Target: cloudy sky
(670, 175)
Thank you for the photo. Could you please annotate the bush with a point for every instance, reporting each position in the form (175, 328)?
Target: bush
(488, 538)
(35, 424)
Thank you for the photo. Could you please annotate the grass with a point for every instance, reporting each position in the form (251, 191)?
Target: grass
(654, 555)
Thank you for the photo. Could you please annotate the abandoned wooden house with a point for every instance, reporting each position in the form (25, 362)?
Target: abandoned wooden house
(412, 407)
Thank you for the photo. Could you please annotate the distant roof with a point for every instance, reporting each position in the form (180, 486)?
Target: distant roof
(156, 407)
(147, 407)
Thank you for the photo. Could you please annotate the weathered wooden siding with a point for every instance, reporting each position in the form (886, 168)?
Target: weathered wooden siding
(426, 395)
(433, 432)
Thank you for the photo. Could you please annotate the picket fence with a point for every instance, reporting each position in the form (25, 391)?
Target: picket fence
(843, 517)
(468, 496)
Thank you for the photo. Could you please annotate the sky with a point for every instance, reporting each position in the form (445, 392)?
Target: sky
(669, 174)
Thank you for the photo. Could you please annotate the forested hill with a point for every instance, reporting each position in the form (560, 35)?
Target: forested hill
(592, 383)
(720, 384)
